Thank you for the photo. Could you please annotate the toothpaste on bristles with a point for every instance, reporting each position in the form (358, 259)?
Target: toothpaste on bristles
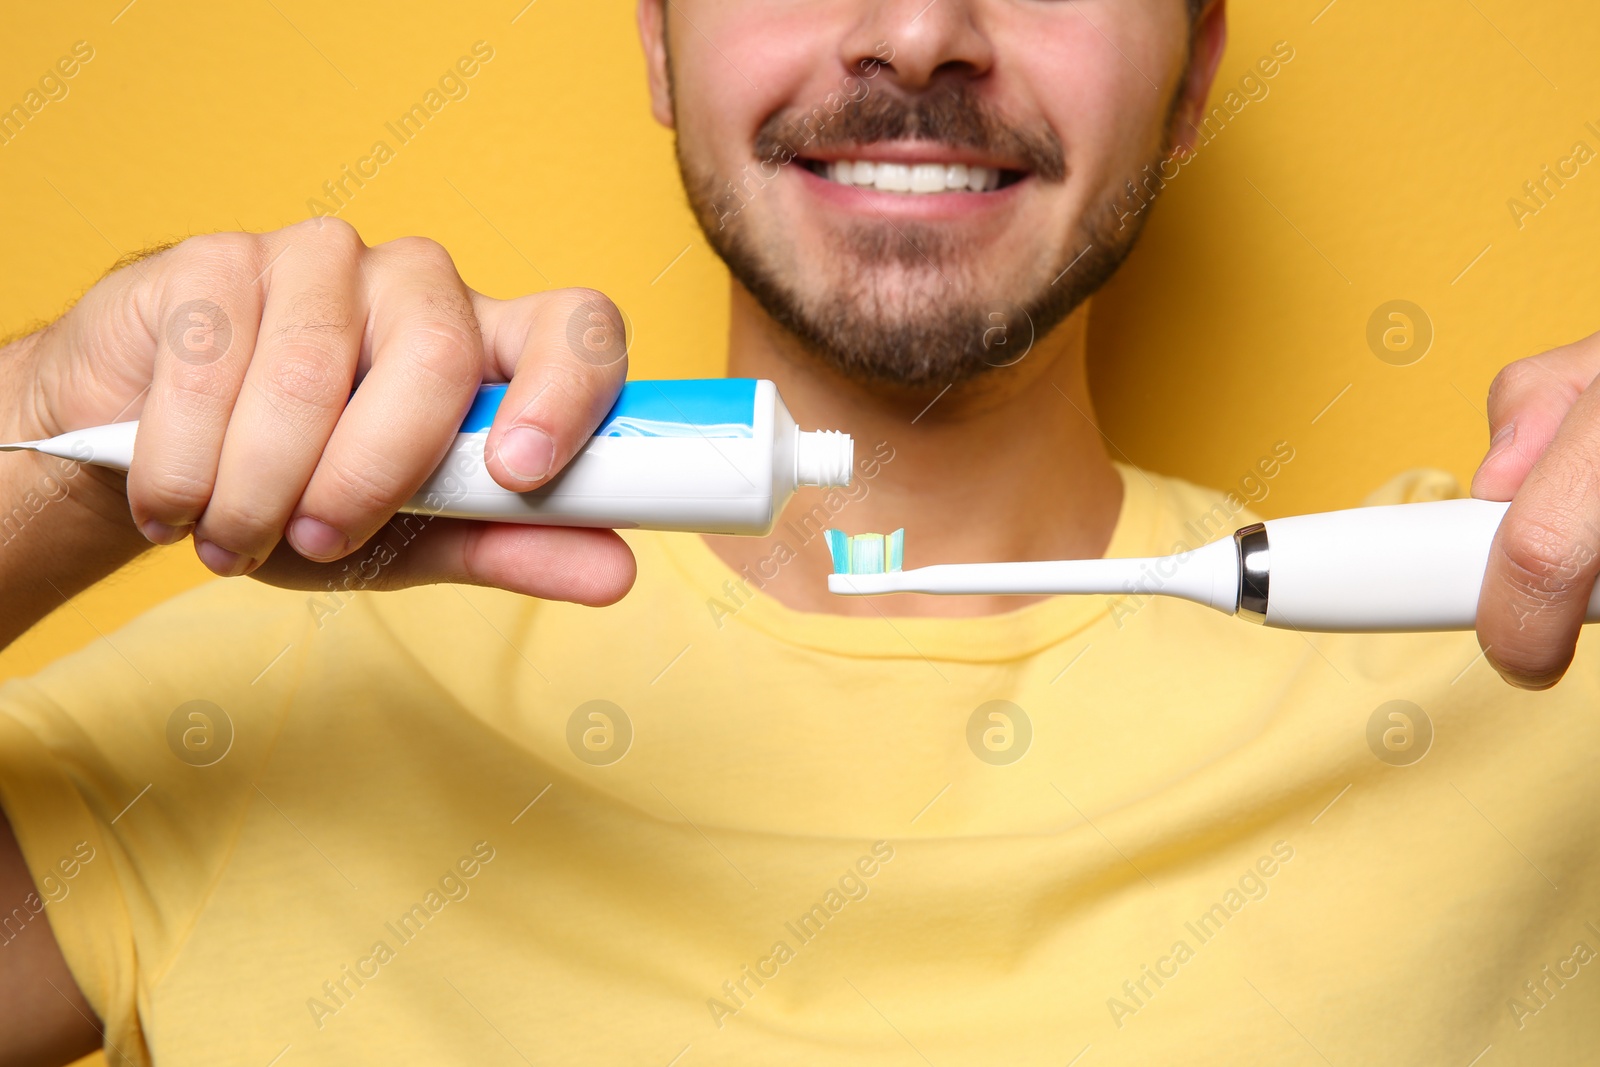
(868, 553)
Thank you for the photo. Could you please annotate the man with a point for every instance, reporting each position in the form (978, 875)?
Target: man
(729, 819)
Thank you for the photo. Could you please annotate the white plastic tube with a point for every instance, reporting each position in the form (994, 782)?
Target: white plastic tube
(712, 456)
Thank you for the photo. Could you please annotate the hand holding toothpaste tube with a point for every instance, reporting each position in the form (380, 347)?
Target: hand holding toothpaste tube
(238, 352)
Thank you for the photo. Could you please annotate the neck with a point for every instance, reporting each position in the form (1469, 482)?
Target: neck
(1008, 466)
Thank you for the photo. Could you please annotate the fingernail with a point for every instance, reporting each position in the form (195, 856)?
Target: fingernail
(221, 561)
(527, 452)
(1501, 440)
(316, 540)
(159, 533)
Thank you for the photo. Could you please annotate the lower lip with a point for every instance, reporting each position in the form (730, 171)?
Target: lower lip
(875, 203)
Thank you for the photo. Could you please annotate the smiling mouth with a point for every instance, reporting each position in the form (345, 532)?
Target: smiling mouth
(914, 179)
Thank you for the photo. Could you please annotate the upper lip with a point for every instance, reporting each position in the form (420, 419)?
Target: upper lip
(911, 152)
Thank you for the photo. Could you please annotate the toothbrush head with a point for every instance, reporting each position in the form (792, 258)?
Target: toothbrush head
(867, 553)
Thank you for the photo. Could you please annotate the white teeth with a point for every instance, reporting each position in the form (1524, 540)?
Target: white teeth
(927, 178)
(914, 179)
(894, 177)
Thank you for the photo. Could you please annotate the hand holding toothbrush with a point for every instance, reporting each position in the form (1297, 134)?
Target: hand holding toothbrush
(1518, 564)
(1544, 457)
(238, 353)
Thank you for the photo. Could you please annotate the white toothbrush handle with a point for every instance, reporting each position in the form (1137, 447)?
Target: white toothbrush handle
(1400, 568)
(1208, 575)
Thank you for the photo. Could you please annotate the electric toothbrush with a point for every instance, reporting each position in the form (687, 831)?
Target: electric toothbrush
(1401, 568)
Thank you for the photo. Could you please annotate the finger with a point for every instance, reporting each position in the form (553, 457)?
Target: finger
(565, 356)
(1545, 557)
(427, 363)
(203, 323)
(1527, 402)
(593, 567)
(295, 389)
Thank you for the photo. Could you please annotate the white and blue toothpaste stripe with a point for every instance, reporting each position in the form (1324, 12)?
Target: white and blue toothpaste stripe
(868, 553)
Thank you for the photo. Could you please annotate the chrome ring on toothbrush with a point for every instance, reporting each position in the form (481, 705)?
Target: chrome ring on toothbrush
(1254, 573)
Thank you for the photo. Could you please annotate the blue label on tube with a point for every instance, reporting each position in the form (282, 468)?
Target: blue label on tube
(711, 407)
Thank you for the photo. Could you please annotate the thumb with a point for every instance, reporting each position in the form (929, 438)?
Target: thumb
(1528, 401)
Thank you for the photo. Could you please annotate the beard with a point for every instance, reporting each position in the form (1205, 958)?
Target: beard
(903, 306)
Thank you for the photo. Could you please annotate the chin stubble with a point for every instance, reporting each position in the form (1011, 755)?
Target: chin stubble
(901, 308)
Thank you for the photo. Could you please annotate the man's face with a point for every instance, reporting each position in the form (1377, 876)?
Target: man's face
(892, 179)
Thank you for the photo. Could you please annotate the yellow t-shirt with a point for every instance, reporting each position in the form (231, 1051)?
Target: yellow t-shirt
(457, 825)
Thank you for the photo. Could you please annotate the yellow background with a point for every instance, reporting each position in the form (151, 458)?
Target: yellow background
(1379, 167)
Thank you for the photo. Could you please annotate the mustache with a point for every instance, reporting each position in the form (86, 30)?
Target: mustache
(951, 113)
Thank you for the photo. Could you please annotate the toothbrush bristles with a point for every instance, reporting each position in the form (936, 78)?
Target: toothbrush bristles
(867, 553)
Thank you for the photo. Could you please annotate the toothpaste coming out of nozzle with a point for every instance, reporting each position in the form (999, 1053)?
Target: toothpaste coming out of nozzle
(710, 456)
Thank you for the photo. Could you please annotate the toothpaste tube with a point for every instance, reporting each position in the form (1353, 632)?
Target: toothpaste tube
(714, 456)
